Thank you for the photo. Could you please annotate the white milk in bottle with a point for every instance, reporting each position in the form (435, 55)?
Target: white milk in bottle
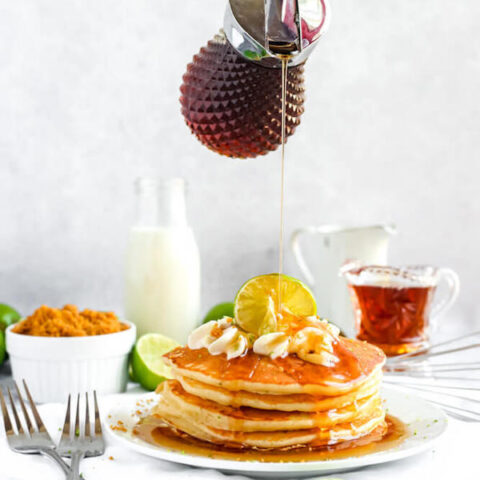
(162, 291)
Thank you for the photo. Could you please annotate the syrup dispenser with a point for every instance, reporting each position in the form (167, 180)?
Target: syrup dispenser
(231, 92)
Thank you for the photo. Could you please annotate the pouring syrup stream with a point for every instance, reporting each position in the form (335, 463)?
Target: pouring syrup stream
(284, 59)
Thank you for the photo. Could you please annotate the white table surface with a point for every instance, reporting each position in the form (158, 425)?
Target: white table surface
(456, 455)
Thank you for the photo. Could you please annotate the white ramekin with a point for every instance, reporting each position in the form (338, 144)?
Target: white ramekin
(53, 367)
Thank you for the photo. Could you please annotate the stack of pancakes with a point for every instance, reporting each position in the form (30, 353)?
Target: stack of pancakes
(259, 402)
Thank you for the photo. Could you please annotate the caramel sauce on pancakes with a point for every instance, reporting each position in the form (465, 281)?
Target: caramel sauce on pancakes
(232, 418)
(302, 402)
(260, 373)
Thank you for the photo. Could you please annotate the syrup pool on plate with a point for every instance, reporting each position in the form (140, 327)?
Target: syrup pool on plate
(173, 440)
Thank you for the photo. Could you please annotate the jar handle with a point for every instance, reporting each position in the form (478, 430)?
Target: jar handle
(453, 283)
(298, 254)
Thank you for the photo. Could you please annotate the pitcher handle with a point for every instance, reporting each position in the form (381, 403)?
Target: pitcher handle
(453, 283)
(298, 254)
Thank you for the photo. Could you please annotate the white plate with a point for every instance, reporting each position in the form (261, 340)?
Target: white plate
(425, 421)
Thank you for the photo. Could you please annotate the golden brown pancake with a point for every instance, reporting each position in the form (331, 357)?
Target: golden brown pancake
(246, 419)
(262, 374)
(301, 402)
(268, 439)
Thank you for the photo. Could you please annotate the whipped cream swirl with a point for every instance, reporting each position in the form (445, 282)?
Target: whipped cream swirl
(220, 336)
(313, 343)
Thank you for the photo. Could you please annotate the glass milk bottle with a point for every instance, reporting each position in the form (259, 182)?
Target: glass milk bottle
(162, 291)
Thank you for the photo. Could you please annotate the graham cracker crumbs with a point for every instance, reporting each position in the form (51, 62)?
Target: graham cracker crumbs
(119, 427)
(69, 322)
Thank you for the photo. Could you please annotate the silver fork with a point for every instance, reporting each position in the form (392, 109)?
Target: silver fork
(36, 439)
(79, 442)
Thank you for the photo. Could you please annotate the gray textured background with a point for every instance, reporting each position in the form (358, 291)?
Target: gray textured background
(89, 100)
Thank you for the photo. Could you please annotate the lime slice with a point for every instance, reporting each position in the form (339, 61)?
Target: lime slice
(219, 311)
(8, 315)
(2, 347)
(148, 368)
(256, 303)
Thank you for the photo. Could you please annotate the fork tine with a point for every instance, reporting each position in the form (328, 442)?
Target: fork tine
(66, 423)
(24, 410)
(77, 418)
(98, 424)
(87, 417)
(15, 414)
(6, 417)
(40, 426)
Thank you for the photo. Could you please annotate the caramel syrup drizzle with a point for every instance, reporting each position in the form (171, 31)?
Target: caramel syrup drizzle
(284, 59)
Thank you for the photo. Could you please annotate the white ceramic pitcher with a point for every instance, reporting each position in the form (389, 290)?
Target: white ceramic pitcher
(335, 246)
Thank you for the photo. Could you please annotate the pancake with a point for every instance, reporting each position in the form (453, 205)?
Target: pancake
(290, 375)
(246, 419)
(287, 403)
(168, 413)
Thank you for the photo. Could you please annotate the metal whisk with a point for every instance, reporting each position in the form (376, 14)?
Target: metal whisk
(447, 374)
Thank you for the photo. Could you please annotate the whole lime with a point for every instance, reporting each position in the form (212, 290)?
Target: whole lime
(8, 316)
(2, 347)
(219, 311)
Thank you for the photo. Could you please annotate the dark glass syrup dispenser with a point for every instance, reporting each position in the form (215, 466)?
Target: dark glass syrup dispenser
(231, 92)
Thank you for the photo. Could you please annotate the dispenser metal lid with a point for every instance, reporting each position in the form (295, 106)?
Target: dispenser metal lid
(263, 30)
